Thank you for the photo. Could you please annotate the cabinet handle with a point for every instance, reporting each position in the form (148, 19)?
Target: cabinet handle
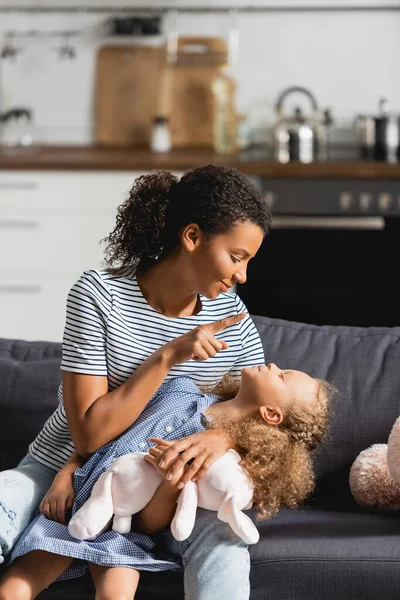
(15, 185)
(19, 289)
(8, 224)
(297, 222)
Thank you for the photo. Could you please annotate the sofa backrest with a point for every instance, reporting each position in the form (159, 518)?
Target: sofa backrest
(29, 378)
(363, 363)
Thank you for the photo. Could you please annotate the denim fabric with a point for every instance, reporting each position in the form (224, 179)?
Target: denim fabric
(21, 491)
(216, 561)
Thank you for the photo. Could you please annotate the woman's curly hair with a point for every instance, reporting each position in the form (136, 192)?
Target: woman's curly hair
(159, 205)
(278, 458)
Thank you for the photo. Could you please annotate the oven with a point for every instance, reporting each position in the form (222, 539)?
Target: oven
(332, 255)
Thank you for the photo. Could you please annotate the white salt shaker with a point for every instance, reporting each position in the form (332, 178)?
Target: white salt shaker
(160, 136)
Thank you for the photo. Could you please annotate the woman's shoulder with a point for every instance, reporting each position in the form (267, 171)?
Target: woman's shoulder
(107, 280)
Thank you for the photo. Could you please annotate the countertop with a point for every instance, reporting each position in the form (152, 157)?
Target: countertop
(92, 158)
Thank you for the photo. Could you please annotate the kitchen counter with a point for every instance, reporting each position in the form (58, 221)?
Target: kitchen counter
(92, 158)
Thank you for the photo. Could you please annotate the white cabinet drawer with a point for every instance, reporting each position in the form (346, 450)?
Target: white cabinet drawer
(50, 243)
(18, 191)
(34, 308)
(63, 190)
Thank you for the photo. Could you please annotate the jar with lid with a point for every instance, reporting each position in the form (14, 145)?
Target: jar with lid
(160, 136)
(224, 113)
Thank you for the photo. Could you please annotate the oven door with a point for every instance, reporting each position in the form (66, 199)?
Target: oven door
(327, 270)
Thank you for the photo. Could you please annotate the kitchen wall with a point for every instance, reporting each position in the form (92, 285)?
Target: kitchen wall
(348, 60)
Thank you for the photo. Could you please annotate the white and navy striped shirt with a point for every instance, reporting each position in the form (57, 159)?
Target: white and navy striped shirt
(111, 329)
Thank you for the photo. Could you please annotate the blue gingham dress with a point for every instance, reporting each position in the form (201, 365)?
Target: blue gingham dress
(175, 411)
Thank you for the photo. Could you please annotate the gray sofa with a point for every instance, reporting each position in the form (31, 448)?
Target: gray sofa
(327, 550)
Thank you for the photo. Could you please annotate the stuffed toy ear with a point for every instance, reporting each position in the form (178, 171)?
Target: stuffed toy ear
(393, 451)
(370, 481)
(241, 524)
(94, 516)
(183, 522)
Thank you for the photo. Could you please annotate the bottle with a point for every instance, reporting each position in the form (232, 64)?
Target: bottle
(160, 136)
(224, 113)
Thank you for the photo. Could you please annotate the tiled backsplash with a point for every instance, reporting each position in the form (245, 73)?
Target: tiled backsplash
(347, 59)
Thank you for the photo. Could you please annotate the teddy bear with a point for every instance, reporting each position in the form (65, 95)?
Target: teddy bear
(375, 474)
(130, 482)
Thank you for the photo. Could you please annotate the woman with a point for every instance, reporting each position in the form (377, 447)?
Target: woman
(177, 248)
(276, 419)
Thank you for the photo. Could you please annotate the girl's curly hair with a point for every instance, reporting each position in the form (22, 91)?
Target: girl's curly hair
(278, 458)
(159, 205)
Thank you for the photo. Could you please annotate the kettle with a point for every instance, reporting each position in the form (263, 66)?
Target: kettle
(300, 137)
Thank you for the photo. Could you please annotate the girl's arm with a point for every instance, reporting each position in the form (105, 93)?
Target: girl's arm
(96, 416)
(159, 512)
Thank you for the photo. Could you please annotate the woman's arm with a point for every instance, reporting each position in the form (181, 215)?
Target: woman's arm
(60, 496)
(96, 416)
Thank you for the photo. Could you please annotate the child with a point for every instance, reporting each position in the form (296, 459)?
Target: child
(276, 418)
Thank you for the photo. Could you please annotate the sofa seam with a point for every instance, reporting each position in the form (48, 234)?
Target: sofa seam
(332, 333)
(325, 560)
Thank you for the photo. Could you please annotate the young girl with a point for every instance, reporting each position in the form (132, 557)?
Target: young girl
(276, 418)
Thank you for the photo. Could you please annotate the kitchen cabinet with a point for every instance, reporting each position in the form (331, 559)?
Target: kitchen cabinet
(51, 224)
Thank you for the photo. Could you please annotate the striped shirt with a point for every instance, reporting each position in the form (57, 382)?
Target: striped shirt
(111, 329)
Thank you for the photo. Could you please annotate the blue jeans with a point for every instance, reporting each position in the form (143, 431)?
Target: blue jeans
(21, 491)
(216, 561)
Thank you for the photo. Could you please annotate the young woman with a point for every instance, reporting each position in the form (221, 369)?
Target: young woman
(276, 418)
(177, 248)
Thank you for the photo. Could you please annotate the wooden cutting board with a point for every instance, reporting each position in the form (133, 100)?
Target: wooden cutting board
(127, 87)
(188, 93)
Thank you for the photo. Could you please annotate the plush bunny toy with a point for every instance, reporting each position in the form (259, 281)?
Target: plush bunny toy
(130, 483)
(375, 474)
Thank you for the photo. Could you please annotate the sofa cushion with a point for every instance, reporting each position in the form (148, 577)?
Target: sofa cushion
(329, 555)
(29, 378)
(364, 364)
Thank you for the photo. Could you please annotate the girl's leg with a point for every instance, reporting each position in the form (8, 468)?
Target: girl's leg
(114, 583)
(21, 491)
(32, 573)
(216, 561)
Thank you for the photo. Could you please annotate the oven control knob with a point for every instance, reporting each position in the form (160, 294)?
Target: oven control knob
(345, 200)
(365, 201)
(384, 201)
(270, 199)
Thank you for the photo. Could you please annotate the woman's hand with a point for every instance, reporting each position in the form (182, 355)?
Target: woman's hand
(59, 498)
(202, 448)
(200, 343)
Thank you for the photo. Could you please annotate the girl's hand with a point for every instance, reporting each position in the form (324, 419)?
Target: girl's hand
(59, 498)
(154, 457)
(200, 343)
(202, 448)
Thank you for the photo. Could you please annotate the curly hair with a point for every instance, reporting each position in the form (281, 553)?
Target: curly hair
(278, 458)
(159, 205)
